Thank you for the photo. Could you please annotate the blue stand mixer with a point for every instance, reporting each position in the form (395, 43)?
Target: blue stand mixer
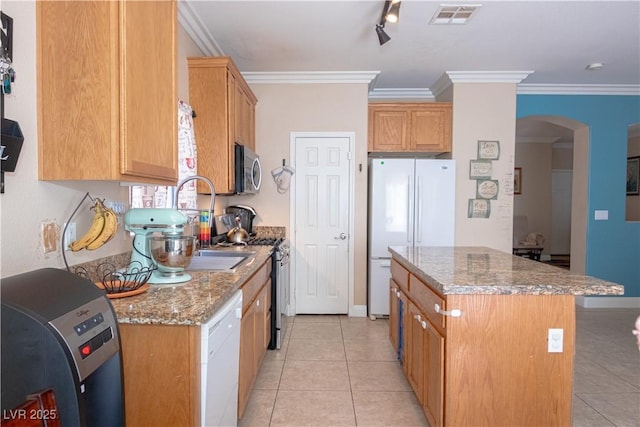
(159, 244)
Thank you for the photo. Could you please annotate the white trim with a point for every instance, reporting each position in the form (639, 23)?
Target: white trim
(358, 311)
(352, 308)
(577, 89)
(401, 93)
(196, 29)
(608, 302)
(488, 76)
(451, 77)
(298, 77)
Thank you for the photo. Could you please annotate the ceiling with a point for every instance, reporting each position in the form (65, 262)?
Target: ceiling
(550, 41)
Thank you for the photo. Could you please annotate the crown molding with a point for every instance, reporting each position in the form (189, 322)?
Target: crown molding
(401, 93)
(452, 77)
(303, 77)
(198, 32)
(577, 89)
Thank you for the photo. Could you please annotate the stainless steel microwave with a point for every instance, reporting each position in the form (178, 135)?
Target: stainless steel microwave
(248, 171)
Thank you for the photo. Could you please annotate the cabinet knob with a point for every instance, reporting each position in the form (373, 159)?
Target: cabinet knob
(398, 294)
(423, 324)
(417, 317)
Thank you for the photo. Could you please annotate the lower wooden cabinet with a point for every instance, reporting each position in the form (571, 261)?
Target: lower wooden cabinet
(161, 365)
(254, 332)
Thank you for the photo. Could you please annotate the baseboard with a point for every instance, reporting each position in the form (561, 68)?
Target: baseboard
(545, 257)
(608, 302)
(358, 311)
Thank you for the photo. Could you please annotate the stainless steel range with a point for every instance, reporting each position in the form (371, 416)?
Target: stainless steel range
(281, 296)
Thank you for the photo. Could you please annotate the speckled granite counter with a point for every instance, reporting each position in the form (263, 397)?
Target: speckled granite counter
(479, 270)
(193, 302)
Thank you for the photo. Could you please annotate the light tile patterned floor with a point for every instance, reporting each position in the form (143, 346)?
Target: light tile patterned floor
(341, 371)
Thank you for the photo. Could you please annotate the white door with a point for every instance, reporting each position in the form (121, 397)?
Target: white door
(321, 217)
(560, 243)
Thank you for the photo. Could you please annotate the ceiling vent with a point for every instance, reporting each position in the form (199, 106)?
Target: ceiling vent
(454, 14)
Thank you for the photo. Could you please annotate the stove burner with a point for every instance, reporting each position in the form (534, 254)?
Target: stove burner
(263, 241)
(255, 241)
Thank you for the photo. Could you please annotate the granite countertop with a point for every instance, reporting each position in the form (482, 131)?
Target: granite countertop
(193, 302)
(479, 270)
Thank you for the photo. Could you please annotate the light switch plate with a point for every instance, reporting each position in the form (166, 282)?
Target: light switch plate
(601, 215)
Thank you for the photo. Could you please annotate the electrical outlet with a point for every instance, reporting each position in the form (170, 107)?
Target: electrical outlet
(554, 340)
(49, 237)
(69, 235)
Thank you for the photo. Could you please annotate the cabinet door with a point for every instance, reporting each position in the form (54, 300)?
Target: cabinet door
(248, 369)
(262, 325)
(244, 117)
(77, 98)
(430, 128)
(433, 376)
(106, 85)
(388, 128)
(149, 119)
(394, 318)
(415, 351)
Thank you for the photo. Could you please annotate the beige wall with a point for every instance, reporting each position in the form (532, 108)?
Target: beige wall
(534, 202)
(27, 202)
(286, 108)
(484, 111)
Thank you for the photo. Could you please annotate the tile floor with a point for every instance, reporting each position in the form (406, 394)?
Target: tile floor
(341, 371)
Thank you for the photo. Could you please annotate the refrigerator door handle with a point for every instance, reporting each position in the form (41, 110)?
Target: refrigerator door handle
(409, 211)
(418, 219)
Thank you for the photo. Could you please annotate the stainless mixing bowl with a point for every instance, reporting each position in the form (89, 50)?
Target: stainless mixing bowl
(172, 254)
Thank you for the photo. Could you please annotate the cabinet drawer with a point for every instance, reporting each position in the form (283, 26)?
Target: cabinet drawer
(426, 299)
(400, 275)
(252, 287)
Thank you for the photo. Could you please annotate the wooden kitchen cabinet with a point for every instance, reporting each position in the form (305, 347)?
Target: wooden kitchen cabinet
(161, 370)
(106, 76)
(484, 364)
(410, 127)
(254, 331)
(225, 115)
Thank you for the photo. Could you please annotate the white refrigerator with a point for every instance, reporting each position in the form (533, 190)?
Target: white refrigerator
(411, 203)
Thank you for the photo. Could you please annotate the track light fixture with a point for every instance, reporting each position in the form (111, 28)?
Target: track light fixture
(391, 13)
(382, 36)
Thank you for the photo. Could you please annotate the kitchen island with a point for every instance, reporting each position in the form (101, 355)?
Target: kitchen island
(161, 339)
(486, 337)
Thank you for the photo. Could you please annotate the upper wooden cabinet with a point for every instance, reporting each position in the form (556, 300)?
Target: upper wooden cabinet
(107, 106)
(225, 109)
(410, 127)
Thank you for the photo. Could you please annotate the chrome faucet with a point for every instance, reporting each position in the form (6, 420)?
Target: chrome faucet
(213, 194)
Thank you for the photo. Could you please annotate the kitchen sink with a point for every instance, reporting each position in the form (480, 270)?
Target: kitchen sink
(219, 260)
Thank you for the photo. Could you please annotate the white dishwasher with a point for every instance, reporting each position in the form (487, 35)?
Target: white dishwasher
(220, 356)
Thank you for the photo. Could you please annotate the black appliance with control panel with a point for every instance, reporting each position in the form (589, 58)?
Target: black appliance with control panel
(59, 332)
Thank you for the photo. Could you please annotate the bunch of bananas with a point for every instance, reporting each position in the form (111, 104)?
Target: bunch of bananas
(103, 228)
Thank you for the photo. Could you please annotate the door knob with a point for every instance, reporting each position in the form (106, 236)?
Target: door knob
(342, 236)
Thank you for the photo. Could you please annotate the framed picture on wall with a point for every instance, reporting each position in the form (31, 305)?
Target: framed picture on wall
(633, 170)
(517, 181)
